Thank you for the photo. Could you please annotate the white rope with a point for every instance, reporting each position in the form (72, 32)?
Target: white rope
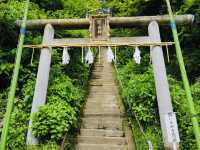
(167, 54)
(99, 54)
(115, 54)
(65, 57)
(82, 54)
(150, 145)
(33, 52)
(110, 55)
(137, 56)
(89, 58)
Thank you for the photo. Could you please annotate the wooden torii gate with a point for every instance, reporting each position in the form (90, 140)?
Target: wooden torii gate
(99, 27)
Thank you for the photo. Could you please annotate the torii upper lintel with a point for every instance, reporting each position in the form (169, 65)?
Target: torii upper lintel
(114, 22)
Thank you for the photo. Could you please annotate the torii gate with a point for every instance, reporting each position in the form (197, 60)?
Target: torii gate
(99, 27)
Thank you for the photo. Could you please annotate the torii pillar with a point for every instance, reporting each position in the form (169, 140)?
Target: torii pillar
(162, 86)
(41, 86)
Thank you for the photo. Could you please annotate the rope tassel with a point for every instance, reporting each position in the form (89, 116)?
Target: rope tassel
(137, 56)
(110, 55)
(89, 58)
(65, 57)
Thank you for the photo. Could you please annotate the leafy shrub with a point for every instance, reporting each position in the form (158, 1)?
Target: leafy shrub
(17, 130)
(60, 114)
(62, 88)
(3, 103)
(53, 120)
(196, 93)
(140, 95)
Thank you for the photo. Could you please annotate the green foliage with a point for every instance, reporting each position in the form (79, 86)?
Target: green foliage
(196, 92)
(26, 96)
(64, 102)
(3, 103)
(17, 130)
(66, 82)
(140, 96)
(13, 10)
(53, 121)
(63, 89)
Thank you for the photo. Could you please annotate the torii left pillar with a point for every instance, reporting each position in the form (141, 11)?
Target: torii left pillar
(41, 86)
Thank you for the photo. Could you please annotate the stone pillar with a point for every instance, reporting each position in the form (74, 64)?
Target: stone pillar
(41, 86)
(161, 82)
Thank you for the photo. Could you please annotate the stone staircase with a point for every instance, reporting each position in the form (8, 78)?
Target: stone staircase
(104, 124)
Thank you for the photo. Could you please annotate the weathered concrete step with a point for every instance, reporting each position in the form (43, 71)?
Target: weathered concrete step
(98, 83)
(101, 80)
(101, 132)
(119, 115)
(101, 99)
(82, 146)
(103, 88)
(106, 110)
(102, 123)
(104, 78)
(102, 140)
(95, 84)
(95, 76)
(102, 94)
(102, 114)
(98, 105)
(98, 65)
(109, 89)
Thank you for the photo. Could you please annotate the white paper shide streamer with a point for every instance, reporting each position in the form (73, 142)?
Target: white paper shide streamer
(65, 57)
(89, 58)
(137, 56)
(110, 55)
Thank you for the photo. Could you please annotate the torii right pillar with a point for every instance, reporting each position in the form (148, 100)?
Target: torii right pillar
(168, 126)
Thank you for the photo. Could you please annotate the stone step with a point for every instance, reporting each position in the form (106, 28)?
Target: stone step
(100, 114)
(98, 65)
(102, 122)
(82, 146)
(102, 81)
(102, 140)
(101, 100)
(98, 105)
(101, 132)
(112, 123)
(102, 94)
(103, 88)
(106, 110)
(95, 84)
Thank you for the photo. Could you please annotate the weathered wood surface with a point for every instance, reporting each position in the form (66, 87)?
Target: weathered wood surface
(112, 41)
(115, 22)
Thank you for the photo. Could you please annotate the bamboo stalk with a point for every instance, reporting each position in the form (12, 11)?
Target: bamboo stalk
(186, 84)
(11, 95)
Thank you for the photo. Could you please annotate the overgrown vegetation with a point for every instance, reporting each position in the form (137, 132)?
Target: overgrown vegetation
(67, 86)
(140, 96)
